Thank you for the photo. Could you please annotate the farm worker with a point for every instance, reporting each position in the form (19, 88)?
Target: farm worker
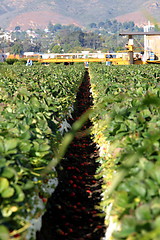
(3, 58)
(126, 46)
(109, 55)
(86, 64)
(29, 62)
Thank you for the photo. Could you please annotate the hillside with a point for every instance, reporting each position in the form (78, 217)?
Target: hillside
(38, 13)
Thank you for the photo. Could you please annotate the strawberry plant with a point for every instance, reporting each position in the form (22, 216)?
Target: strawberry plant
(126, 128)
(34, 103)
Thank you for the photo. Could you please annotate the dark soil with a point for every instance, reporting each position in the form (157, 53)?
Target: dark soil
(71, 211)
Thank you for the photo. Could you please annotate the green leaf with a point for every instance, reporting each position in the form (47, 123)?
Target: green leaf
(151, 100)
(25, 146)
(155, 174)
(2, 162)
(13, 151)
(10, 144)
(35, 146)
(155, 207)
(123, 128)
(140, 118)
(1, 146)
(44, 147)
(4, 184)
(157, 222)
(19, 194)
(26, 135)
(138, 189)
(131, 124)
(143, 213)
(128, 227)
(121, 199)
(8, 172)
(152, 187)
(7, 193)
(4, 233)
(28, 185)
(41, 154)
(24, 91)
(34, 102)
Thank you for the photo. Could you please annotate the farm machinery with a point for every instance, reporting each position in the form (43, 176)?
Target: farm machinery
(150, 53)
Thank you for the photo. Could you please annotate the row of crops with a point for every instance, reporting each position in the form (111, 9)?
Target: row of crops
(127, 130)
(34, 105)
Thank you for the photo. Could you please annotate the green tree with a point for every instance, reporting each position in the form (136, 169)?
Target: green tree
(93, 40)
(101, 24)
(93, 25)
(128, 25)
(54, 28)
(57, 27)
(56, 49)
(17, 28)
(17, 48)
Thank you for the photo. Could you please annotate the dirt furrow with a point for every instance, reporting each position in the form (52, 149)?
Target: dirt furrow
(71, 211)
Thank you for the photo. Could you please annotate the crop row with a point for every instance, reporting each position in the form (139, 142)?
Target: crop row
(127, 130)
(34, 105)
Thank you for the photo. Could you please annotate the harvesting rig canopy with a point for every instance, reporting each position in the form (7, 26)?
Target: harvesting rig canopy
(151, 53)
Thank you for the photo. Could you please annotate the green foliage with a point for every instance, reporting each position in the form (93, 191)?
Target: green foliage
(17, 48)
(67, 39)
(11, 61)
(56, 49)
(34, 103)
(113, 26)
(127, 105)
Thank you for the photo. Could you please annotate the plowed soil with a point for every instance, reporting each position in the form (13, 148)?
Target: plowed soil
(71, 211)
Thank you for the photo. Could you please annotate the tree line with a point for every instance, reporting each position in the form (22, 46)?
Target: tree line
(59, 38)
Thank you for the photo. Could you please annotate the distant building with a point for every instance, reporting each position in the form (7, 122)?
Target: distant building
(151, 43)
(149, 28)
(31, 33)
(5, 36)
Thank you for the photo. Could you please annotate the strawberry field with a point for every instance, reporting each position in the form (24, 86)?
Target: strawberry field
(127, 129)
(98, 181)
(35, 103)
